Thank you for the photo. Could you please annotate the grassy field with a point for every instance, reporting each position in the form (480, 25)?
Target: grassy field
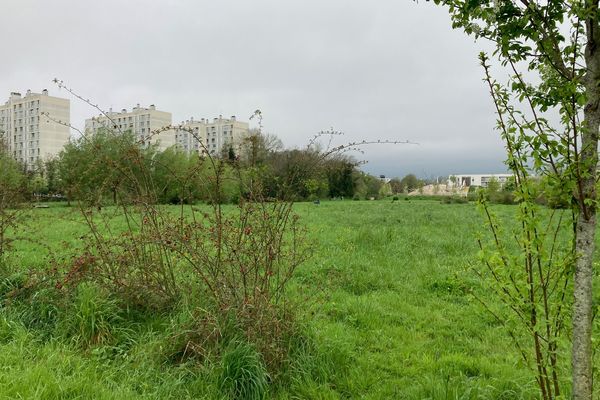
(385, 298)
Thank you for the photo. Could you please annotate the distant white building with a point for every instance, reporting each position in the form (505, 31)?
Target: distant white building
(210, 137)
(482, 180)
(383, 179)
(34, 126)
(146, 124)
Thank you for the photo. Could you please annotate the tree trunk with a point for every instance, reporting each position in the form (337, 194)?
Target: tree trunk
(582, 311)
(586, 223)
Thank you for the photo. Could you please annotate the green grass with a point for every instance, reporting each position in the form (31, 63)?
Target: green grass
(243, 375)
(383, 302)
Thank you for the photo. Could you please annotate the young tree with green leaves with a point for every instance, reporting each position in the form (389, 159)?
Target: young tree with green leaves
(103, 165)
(557, 43)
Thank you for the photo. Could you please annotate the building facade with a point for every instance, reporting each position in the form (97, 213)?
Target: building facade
(35, 126)
(212, 137)
(482, 180)
(149, 125)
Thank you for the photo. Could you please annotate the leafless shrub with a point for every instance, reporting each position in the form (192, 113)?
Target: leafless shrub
(133, 265)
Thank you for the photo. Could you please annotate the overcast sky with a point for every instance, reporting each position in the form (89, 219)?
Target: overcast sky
(386, 69)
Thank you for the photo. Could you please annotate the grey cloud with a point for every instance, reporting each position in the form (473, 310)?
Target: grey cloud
(376, 70)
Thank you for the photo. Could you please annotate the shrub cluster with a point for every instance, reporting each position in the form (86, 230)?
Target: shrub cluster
(108, 167)
(226, 267)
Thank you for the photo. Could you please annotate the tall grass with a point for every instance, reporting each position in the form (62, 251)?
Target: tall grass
(243, 375)
(386, 314)
(92, 317)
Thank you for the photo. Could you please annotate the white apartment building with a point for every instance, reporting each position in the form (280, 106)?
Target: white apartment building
(204, 136)
(476, 179)
(30, 126)
(147, 124)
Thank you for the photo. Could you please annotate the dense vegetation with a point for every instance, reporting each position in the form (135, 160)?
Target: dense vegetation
(92, 169)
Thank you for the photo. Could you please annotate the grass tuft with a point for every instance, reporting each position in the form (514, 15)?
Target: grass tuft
(92, 317)
(243, 374)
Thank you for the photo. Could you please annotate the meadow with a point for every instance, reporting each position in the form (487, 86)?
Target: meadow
(385, 299)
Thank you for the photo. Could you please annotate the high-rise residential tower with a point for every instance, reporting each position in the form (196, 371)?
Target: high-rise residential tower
(35, 127)
(204, 136)
(149, 125)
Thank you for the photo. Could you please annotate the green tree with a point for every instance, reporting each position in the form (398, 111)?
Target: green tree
(410, 182)
(385, 189)
(493, 187)
(340, 179)
(316, 188)
(11, 174)
(173, 174)
(396, 185)
(37, 185)
(231, 154)
(216, 181)
(371, 184)
(104, 165)
(259, 148)
(287, 172)
(559, 45)
(52, 175)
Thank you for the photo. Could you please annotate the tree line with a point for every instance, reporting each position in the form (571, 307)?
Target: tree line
(101, 169)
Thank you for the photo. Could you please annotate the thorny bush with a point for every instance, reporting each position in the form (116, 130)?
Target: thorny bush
(231, 263)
